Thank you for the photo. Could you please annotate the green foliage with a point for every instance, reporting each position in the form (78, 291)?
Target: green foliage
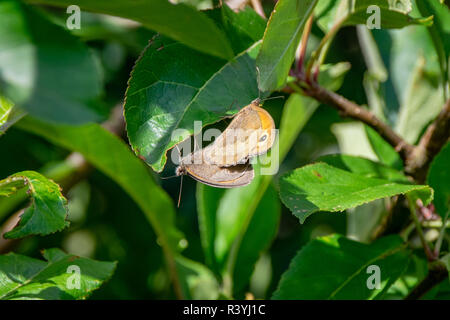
(47, 212)
(111, 156)
(384, 151)
(439, 32)
(321, 187)
(206, 65)
(180, 22)
(393, 13)
(40, 79)
(439, 179)
(199, 87)
(25, 278)
(280, 42)
(345, 273)
(8, 114)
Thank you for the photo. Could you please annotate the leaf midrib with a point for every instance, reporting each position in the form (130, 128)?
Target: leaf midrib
(357, 272)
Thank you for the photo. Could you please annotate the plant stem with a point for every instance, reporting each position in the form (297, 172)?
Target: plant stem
(303, 44)
(437, 248)
(430, 144)
(437, 272)
(426, 247)
(350, 109)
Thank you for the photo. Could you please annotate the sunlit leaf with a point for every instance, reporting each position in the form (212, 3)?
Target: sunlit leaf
(334, 267)
(47, 212)
(61, 277)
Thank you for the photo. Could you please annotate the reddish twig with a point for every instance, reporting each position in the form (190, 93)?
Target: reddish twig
(350, 109)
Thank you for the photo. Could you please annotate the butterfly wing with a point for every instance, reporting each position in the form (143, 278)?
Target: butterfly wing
(230, 177)
(250, 133)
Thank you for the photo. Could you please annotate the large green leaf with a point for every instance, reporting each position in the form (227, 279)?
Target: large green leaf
(280, 42)
(172, 86)
(26, 278)
(111, 156)
(321, 187)
(242, 223)
(334, 267)
(48, 210)
(260, 233)
(44, 69)
(180, 22)
(439, 179)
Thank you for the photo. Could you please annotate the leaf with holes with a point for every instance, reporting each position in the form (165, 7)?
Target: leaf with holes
(48, 210)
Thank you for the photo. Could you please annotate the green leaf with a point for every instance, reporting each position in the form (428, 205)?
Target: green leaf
(439, 32)
(393, 13)
(375, 65)
(446, 260)
(242, 223)
(296, 113)
(48, 210)
(44, 69)
(384, 151)
(8, 114)
(26, 278)
(282, 36)
(260, 233)
(198, 282)
(352, 139)
(180, 22)
(321, 187)
(172, 86)
(439, 179)
(208, 202)
(346, 273)
(111, 156)
(422, 101)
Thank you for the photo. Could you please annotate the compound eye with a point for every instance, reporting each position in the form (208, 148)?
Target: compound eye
(263, 138)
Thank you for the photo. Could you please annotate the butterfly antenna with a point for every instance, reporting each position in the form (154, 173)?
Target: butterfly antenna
(169, 177)
(258, 77)
(271, 98)
(179, 194)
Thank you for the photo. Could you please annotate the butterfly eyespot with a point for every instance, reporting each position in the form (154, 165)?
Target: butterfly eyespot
(263, 138)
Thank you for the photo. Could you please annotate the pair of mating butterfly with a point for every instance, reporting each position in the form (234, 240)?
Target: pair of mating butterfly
(226, 162)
